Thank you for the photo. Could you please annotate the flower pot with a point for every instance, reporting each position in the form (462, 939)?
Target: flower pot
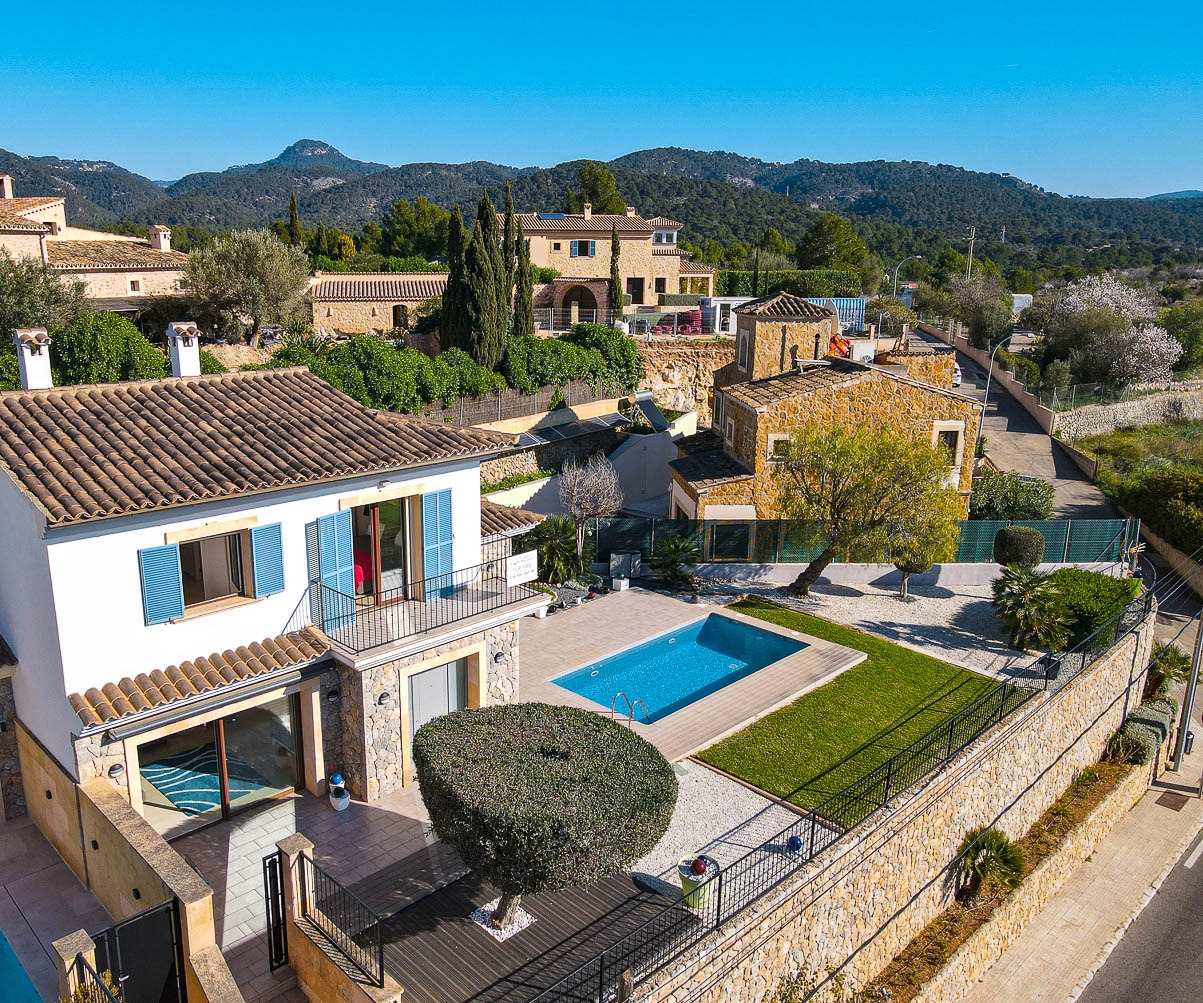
(340, 799)
(697, 888)
(541, 613)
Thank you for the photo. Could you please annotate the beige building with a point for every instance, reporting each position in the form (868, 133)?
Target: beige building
(119, 273)
(578, 247)
(358, 302)
(783, 378)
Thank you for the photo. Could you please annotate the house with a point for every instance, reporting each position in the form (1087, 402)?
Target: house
(358, 302)
(223, 589)
(578, 247)
(119, 273)
(784, 376)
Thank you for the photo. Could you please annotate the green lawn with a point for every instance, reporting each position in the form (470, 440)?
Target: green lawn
(836, 734)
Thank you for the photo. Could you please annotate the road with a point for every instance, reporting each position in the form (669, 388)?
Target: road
(1161, 955)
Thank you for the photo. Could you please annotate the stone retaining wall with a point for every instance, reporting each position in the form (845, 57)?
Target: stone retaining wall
(860, 903)
(1156, 409)
(681, 375)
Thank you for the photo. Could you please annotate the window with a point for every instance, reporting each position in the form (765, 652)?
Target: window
(381, 546)
(135, 286)
(584, 248)
(730, 432)
(778, 446)
(724, 317)
(950, 442)
(661, 285)
(555, 247)
(212, 569)
(741, 358)
(718, 409)
(949, 438)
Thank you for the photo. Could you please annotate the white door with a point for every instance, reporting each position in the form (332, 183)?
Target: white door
(436, 692)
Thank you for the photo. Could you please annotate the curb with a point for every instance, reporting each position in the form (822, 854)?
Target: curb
(1105, 952)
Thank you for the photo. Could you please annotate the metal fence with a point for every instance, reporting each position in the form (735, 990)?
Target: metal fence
(769, 541)
(510, 403)
(352, 927)
(681, 925)
(90, 987)
(1082, 394)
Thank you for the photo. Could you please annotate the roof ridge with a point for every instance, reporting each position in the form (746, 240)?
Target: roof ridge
(160, 380)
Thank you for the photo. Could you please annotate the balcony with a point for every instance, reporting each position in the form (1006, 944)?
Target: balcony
(420, 610)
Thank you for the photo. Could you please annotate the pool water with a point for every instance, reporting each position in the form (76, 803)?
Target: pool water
(675, 669)
(15, 986)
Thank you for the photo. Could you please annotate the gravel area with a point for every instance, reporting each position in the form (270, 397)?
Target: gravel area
(714, 815)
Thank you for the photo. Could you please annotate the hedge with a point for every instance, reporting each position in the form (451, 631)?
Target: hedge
(1144, 732)
(999, 496)
(1090, 600)
(1021, 545)
(808, 282)
(1170, 501)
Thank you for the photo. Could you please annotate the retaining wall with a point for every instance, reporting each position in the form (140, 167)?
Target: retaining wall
(860, 903)
(1156, 409)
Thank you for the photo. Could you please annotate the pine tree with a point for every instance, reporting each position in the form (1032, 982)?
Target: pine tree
(453, 327)
(296, 235)
(524, 306)
(483, 311)
(617, 298)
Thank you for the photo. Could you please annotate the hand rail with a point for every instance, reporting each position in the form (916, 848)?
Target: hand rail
(348, 923)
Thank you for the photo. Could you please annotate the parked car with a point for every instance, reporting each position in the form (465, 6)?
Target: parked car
(956, 374)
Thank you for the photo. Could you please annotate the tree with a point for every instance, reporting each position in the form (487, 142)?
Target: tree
(1184, 323)
(454, 332)
(555, 540)
(509, 251)
(930, 539)
(1169, 667)
(536, 797)
(890, 313)
(988, 855)
(617, 297)
(296, 233)
(985, 305)
(598, 188)
(1021, 546)
(371, 237)
(855, 492)
(482, 312)
(247, 275)
(1030, 604)
(33, 294)
(831, 242)
(524, 293)
(415, 228)
(772, 242)
(589, 490)
(104, 348)
(671, 558)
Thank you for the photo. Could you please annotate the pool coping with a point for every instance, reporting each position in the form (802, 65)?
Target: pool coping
(700, 724)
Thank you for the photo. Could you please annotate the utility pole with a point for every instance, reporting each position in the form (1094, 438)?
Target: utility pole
(1004, 233)
(1188, 701)
(969, 266)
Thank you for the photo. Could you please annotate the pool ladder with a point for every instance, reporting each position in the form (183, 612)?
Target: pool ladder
(630, 708)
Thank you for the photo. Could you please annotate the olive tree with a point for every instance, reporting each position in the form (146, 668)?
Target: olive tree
(537, 797)
(929, 539)
(589, 490)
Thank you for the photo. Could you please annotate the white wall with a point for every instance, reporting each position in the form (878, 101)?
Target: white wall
(642, 465)
(97, 598)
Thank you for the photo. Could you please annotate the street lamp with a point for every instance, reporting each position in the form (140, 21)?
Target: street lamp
(986, 395)
(913, 257)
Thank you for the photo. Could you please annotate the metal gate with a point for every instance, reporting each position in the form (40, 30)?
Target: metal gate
(273, 897)
(144, 956)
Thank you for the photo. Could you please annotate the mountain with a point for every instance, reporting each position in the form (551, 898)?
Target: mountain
(1192, 193)
(98, 191)
(307, 153)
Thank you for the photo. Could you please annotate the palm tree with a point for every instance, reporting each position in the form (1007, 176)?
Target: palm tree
(1030, 604)
(988, 855)
(555, 540)
(1169, 666)
(672, 556)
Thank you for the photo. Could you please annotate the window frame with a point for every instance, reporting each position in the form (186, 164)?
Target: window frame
(245, 572)
(742, 352)
(773, 440)
(729, 430)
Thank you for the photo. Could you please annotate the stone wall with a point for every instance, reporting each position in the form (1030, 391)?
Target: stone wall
(1102, 419)
(857, 905)
(935, 367)
(681, 375)
(12, 791)
(551, 456)
(777, 345)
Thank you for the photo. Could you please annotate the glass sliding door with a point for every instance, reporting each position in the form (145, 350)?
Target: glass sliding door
(180, 778)
(261, 755)
(390, 543)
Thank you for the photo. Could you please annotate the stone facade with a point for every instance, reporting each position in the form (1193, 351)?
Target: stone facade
(681, 376)
(932, 367)
(857, 905)
(1156, 409)
(12, 791)
(550, 456)
(774, 346)
(357, 317)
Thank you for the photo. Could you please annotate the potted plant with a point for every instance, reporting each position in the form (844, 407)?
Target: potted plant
(340, 797)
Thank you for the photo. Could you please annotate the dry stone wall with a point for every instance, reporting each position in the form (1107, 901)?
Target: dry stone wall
(1156, 409)
(681, 375)
(861, 902)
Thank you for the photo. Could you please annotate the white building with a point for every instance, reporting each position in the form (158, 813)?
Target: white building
(221, 589)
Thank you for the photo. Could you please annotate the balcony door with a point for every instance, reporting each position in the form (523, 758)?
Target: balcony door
(381, 544)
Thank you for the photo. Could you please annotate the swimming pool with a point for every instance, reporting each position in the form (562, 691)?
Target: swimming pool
(14, 983)
(675, 669)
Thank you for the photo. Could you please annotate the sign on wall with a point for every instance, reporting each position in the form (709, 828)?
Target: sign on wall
(521, 568)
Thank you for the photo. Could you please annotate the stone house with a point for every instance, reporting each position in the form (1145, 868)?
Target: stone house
(119, 273)
(783, 378)
(358, 302)
(259, 583)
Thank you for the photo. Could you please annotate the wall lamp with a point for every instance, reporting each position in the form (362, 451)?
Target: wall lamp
(116, 771)
(499, 657)
(333, 696)
(384, 698)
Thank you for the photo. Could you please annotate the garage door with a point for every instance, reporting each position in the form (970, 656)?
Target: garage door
(437, 691)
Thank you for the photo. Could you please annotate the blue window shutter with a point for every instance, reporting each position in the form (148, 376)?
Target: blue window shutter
(336, 569)
(162, 584)
(437, 548)
(267, 559)
(593, 248)
(573, 246)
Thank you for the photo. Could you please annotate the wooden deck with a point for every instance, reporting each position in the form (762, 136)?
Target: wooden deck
(438, 955)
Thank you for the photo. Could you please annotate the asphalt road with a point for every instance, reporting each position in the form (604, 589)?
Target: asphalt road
(1161, 956)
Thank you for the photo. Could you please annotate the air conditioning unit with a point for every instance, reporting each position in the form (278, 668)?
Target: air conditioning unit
(626, 565)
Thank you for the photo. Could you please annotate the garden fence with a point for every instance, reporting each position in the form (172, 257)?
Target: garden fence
(345, 920)
(768, 541)
(511, 403)
(681, 925)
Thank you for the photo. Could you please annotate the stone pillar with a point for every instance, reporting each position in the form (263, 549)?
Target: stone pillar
(66, 950)
(291, 848)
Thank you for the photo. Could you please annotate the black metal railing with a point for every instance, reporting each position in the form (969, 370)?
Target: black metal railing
(351, 926)
(90, 987)
(363, 622)
(681, 925)
(277, 918)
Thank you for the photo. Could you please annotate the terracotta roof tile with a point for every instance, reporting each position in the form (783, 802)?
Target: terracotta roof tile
(533, 222)
(31, 204)
(664, 223)
(786, 306)
(695, 268)
(501, 520)
(836, 372)
(703, 441)
(710, 467)
(379, 286)
(15, 221)
(146, 691)
(110, 254)
(91, 452)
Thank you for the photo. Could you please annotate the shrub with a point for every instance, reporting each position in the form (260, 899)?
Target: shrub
(802, 282)
(1143, 733)
(1004, 497)
(988, 855)
(1090, 599)
(1030, 604)
(537, 797)
(1022, 546)
(622, 365)
(1169, 666)
(104, 348)
(1170, 500)
(209, 363)
(672, 556)
(555, 540)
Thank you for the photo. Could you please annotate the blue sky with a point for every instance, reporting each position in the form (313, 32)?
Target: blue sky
(1097, 99)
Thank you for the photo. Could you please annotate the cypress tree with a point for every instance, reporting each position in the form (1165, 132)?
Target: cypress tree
(756, 274)
(486, 219)
(296, 235)
(453, 323)
(483, 311)
(509, 254)
(524, 292)
(617, 299)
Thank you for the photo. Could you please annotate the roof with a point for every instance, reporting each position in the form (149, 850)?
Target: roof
(786, 306)
(15, 221)
(787, 386)
(6, 654)
(664, 223)
(695, 268)
(710, 467)
(534, 222)
(204, 675)
(85, 254)
(379, 286)
(31, 204)
(93, 452)
(700, 442)
(501, 520)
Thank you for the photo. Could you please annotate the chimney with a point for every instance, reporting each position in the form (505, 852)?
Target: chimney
(33, 353)
(630, 210)
(160, 238)
(183, 339)
(588, 210)
(6, 186)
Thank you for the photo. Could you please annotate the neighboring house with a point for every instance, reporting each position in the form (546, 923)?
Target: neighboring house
(358, 302)
(119, 273)
(783, 378)
(578, 247)
(222, 589)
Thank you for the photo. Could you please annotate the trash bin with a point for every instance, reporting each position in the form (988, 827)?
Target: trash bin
(698, 888)
(1189, 745)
